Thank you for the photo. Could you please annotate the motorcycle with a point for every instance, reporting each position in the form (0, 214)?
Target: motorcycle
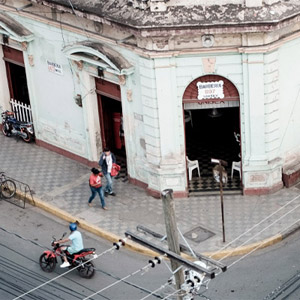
(11, 126)
(48, 259)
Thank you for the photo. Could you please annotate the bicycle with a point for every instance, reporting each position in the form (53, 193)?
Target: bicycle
(7, 187)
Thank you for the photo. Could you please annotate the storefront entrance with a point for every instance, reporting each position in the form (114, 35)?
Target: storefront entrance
(111, 120)
(211, 128)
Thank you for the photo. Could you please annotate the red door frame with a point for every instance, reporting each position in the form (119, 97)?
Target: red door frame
(110, 90)
(14, 56)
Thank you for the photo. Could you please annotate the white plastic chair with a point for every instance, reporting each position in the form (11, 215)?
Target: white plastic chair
(188, 117)
(236, 165)
(191, 165)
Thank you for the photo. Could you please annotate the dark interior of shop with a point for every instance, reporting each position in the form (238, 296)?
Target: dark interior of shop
(113, 131)
(210, 134)
(18, 83)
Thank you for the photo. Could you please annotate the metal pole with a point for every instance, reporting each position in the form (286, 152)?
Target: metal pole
(172, 236)
(222, 202)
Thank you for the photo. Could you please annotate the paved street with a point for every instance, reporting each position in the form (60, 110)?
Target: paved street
(25, 234)
(63, 183)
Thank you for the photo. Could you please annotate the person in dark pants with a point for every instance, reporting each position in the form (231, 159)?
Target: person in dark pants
(96, 187)
(106, 160)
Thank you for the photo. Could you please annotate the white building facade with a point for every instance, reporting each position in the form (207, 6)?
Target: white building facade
(144, 63)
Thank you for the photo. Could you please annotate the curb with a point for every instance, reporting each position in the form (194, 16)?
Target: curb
(290, 231)
(130, 245)
(87, 226)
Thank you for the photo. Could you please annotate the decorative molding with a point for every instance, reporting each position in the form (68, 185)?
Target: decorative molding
(79, 64)
(129, 95)
(209, 64)
(122, 79)
(30, 60)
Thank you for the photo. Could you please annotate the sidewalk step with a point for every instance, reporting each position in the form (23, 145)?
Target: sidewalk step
(214, 193)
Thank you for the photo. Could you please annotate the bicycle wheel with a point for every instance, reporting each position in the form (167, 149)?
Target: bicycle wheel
(8, 188)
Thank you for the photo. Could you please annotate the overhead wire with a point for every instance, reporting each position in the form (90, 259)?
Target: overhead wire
(281, 217)
(155, 291)
(174, 293)
(257, 247)
(43, 247)
(61, 275)
(250, 229)
(12, 266)
(143, 269)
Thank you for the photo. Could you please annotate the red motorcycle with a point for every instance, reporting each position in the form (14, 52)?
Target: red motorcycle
(48, 260)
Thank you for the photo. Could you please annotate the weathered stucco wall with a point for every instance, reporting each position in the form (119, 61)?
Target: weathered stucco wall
(58, 120)
(152, 95)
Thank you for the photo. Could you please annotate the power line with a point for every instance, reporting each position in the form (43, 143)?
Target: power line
(21, 237)
(264, 229)
(80, 265)
(151, 263)
(174, 293)
(43, 247)
(160, 288)
(72, 7)
(257, 247)
(247, 231)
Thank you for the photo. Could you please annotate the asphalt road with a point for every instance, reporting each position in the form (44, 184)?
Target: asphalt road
(269, 274)
(26, 233)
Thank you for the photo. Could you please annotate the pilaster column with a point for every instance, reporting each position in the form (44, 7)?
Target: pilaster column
(254, 109)
(4, 90)
(164, 153)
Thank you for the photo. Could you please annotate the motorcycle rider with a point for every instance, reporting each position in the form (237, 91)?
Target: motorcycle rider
(77, 244)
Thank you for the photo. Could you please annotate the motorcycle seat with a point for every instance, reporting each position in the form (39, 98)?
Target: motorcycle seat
(85, 250)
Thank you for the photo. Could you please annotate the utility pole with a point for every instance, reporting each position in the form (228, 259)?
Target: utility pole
(220, 169)
(172, 236)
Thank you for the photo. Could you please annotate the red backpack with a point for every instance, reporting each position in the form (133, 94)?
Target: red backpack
(115, 169)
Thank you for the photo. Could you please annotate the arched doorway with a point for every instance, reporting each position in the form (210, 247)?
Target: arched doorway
(212, 123)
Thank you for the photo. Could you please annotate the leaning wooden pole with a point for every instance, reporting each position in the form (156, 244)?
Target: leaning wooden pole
(172, 236)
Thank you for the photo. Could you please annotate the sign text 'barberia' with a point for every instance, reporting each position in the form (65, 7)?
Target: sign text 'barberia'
(210, 90)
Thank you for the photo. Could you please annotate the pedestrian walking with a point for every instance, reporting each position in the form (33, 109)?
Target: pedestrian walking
(96, 187)
(106, 161)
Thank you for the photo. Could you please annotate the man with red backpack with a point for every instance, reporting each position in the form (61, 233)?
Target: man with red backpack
(107, 159)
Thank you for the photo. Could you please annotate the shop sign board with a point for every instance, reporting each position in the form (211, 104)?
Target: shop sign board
(210, 90)
(54, 68)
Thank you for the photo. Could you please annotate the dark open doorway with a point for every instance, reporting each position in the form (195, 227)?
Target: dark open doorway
(17, 82)
(111, 121)
(210, 134)
(16, 75)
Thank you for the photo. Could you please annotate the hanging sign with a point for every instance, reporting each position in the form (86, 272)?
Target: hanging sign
(54, 68)
(210, 90)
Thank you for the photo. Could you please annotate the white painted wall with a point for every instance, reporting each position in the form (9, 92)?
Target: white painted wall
(4, 91)
(289, 105)
(57, 119)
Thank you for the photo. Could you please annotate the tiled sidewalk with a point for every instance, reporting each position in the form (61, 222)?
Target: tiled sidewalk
(63, 183)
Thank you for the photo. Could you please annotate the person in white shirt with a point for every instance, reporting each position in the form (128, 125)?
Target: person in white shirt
(106, 160)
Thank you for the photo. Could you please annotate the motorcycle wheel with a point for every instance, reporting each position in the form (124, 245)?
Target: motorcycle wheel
(87, 270)
(8, 189)
(4, 130)
(47, 264)
(28, 137)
